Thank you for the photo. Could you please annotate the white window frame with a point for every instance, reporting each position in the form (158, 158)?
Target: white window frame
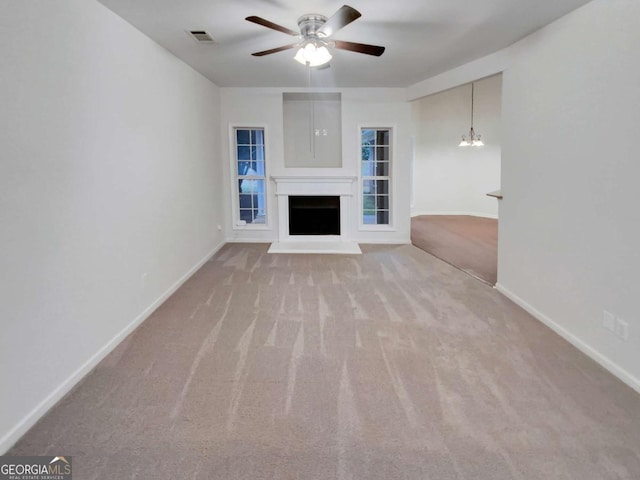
(233, 164)
(390, 227)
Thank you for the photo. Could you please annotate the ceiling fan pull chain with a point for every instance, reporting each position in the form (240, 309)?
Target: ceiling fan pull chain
(311, 115)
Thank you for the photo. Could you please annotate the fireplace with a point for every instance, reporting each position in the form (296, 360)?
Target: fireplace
(314, 215)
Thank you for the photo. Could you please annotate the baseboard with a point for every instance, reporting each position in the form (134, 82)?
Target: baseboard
(602, 360)
(472, 214)
(9, 439)
(385, 241)
(371, 241)
(250, 240)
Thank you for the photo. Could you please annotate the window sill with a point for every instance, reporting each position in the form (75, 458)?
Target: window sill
(251, 227)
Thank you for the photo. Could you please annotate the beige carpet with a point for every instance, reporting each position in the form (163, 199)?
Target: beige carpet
(387, 365)
(466, 242)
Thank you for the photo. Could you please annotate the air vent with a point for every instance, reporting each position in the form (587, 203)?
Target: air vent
(201, 36)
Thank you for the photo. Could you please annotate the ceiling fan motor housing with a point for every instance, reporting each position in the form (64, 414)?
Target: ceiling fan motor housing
(309, 25)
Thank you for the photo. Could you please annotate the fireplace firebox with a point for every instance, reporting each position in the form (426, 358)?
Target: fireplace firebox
(314, 215)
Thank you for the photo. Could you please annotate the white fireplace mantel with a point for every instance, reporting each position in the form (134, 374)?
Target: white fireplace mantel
(318, 185)
(314, 185)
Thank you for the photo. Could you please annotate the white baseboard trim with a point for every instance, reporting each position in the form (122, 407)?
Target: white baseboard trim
(250, 240)
(364, 241)
(604, 361)
(472, 214)
(385, 241)
(11, 437)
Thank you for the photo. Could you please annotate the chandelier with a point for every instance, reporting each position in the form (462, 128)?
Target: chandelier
(472, 138)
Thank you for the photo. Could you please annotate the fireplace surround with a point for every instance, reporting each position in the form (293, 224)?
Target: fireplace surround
(341, 187)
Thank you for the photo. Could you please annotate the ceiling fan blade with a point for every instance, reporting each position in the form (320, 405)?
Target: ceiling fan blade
(274, 50)
(273, 26)
(359, 47)
(343, 17)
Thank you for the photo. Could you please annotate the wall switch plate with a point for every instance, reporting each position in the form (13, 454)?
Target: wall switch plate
(622, 329)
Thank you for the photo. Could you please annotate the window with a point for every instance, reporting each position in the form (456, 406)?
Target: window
(250, 173)
(376, 175)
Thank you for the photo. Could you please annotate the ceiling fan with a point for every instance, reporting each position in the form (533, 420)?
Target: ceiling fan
(315, 32)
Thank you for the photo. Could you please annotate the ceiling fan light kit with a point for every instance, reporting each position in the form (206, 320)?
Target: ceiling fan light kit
(315, 30)
(313, 53)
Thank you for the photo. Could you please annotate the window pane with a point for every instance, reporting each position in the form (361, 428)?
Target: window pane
(250, 169)
(382, 169)
(251, 186)
(258, 153)
(244, 153)
(259, 203)
(382, 153)
(382, 217)
(242, 137)
(369, 186)
(367, 153)
(369, 217)
(382, 186)
(259, 216)
(257, 137)
(258, 186)
(368, 169)
(243, 167)
(368, 202)
(246, 215)
(382, 202)
(382, 137)
(246, 201)
(368, 137)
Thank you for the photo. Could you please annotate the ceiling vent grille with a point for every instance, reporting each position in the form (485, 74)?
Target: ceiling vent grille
(201, 36)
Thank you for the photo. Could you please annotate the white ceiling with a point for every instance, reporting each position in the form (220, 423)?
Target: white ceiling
(422, 37)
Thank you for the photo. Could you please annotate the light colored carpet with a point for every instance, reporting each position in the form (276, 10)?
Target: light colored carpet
(386, 365)
(466, 242)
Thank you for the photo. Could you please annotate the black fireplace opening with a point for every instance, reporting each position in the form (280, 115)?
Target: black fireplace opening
(319, 215)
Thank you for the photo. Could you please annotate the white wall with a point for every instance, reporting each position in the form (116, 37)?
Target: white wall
(449, 179)
(569, 222)
(109, 170)
(360, 107)
(483, 67)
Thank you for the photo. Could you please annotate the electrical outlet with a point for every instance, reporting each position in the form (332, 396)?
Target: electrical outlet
(143, 280)
(219, 228)
(609, 321)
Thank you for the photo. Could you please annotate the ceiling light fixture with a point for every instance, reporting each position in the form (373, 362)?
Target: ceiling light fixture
(472, 139)
(313, 53)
